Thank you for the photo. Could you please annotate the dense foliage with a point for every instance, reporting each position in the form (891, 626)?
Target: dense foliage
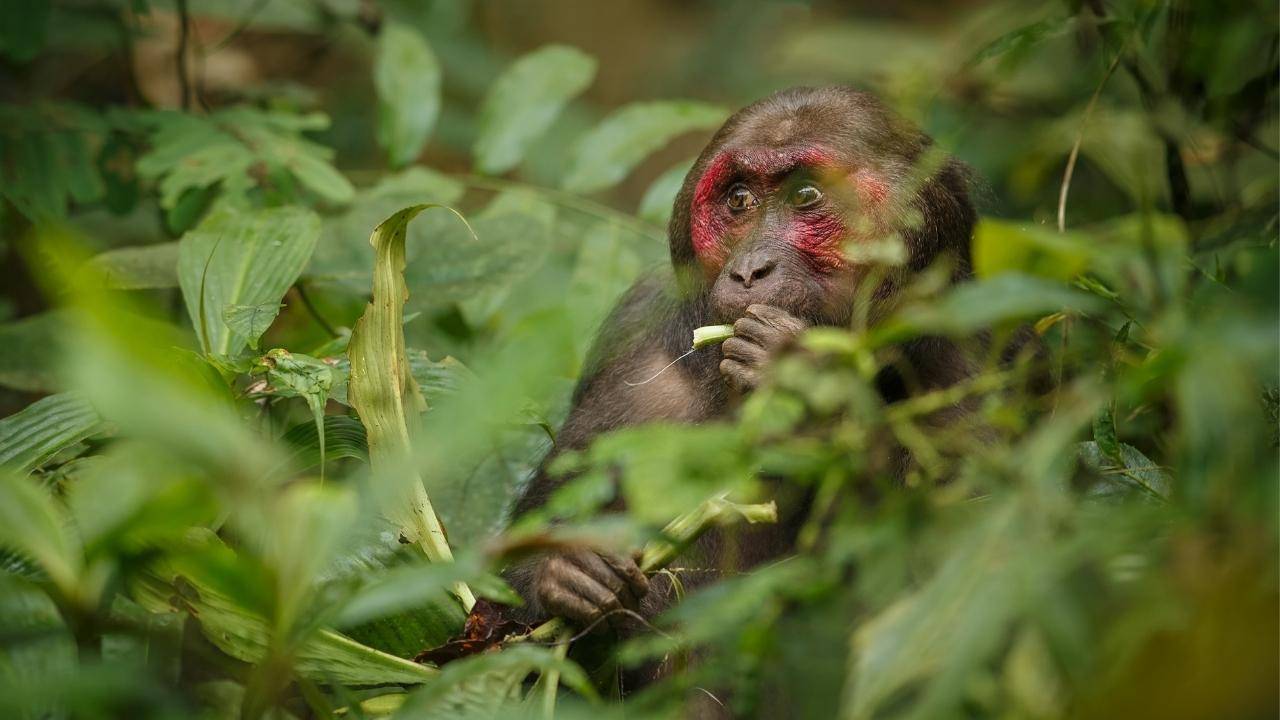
(232, 451)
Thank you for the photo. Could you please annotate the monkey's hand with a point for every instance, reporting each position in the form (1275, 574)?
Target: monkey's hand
(757, 337)
(582, 585)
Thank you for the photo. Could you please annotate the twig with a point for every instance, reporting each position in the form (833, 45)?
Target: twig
(313, 312)
(184, 28)
(1075, 148)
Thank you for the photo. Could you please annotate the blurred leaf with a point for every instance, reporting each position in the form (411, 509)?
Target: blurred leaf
(46, 158)
(245, 259)
(615, 146)
(524, 101)
(47, 648)
(407, 78)
(327, 656)
(1001, 246)
(1122, 475)
(235, 149)
(36, 433)
(138, 268)
(656, 204)
(23, 26)
(26, 348)
(1015, 45)
(250, 321)
(511, 238)
(974, 306)
(32, 525)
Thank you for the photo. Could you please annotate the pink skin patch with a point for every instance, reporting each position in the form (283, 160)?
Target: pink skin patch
(818, 234)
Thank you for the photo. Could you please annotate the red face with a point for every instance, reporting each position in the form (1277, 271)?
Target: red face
(804, 196)
(770, 226)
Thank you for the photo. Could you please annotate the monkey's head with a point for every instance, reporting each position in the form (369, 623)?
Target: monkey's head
(798, 197)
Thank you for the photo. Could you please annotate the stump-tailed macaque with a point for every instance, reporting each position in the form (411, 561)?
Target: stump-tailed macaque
(765, 235)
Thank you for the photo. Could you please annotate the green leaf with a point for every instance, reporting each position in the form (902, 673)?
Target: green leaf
(406, 76)
(235, 149)
(33, 435)
(480, 684)
(656, 205)
(343, 438)
(615, 146)
(298, 375)
(1124, 474)
(384, 393)
(510, 241)
(47, 158)
(138, 268)
(241, 258)
(1001, 246)
(35, 527)
(27, 348)
(250, 321)
(327, 656)
(343, 253)
(524, 101)
(974, 306)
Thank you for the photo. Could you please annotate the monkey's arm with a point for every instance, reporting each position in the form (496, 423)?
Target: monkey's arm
(645, 332)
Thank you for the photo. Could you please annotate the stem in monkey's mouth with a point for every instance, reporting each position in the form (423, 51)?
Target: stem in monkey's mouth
(702, 337)
(711, 335)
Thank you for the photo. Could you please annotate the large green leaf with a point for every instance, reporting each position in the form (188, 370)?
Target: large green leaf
(384, 393)
(615, 146)
(406, 75)
(238, 258)
(524, 101)
(36, 433)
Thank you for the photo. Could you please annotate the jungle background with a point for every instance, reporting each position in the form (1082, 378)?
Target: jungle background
(222, 496)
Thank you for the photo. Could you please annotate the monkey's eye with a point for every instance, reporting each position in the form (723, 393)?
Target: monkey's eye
(740, 198)
(805, 196)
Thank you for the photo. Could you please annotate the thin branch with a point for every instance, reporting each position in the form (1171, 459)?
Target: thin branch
(314, 313)
(184, 30)
(1075, 147)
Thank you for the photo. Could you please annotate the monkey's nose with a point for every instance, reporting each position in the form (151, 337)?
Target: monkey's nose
(752, 267)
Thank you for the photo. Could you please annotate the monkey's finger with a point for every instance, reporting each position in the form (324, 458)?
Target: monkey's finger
(596, 568)
(740, 376)
(776, 318)
(747, 353)
(595, 592)
(752, 330)
(560, 601)
(627, 569)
